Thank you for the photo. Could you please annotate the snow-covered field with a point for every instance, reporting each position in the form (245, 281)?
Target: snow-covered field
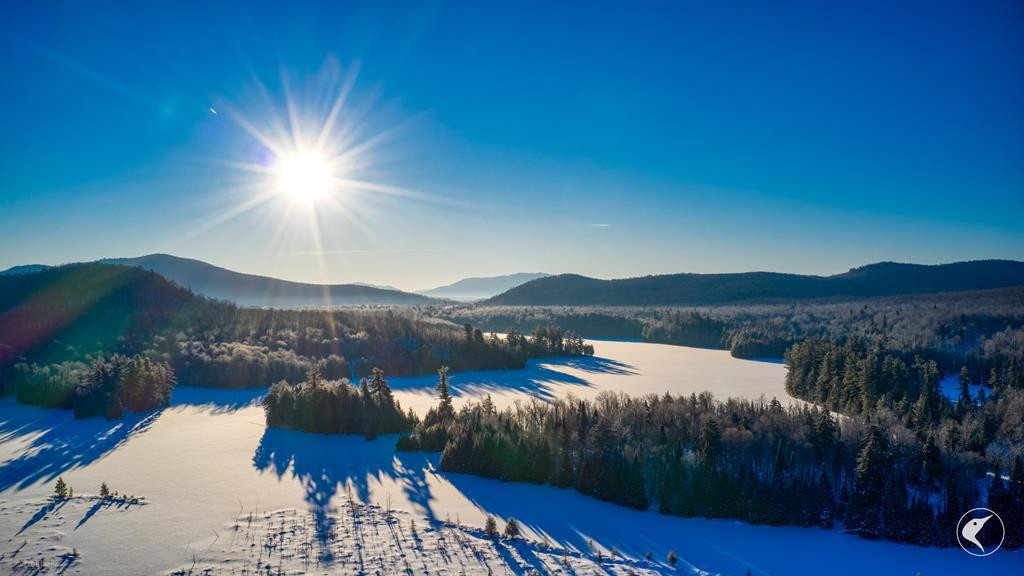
(224, 493)
(635, 368)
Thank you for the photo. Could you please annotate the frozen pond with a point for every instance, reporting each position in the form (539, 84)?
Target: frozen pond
(635, 368)
(208, 458)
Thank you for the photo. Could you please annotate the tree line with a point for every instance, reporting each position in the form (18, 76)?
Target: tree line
(979, 329)
(55, 324)
(105, 387)
(860, 377)
(755, 461)
(336, 407)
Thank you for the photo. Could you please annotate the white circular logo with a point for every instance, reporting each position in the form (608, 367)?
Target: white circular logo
(980, 532)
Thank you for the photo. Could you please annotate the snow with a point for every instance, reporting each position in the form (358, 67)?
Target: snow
(208, 460)
(950, 387)
(635, 368)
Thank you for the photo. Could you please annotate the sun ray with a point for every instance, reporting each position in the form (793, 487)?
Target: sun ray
(312, 174)
(332, 116)
(294, 124)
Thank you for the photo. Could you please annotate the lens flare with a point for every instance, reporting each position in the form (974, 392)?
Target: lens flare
(308, 169)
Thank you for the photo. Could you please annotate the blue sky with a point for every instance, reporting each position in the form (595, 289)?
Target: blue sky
(611, 141)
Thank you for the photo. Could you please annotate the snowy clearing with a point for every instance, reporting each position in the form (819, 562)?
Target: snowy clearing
(208, 460)
(635, 368)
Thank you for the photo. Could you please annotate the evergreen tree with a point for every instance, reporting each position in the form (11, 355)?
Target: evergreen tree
(512, 529)
(710, 443)
(60, 489)
(379, 389)
(870, 481)
(964, 402)
(931, 462)
(926, 410)
(824, 438)
(445, 408)
(490, 527)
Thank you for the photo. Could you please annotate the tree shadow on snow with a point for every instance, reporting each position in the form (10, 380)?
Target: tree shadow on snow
(569, 518)
(216, 400)
(52, 505)
(537, 379)
(102, 504)
(59, 442)
(329, 465)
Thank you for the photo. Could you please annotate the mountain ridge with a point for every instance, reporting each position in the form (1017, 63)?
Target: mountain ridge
(692, 289)
(481, 287)
(24, 269)
(264, 291)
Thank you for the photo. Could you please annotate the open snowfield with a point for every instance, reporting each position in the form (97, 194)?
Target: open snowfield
(635, 368)
(226, 495)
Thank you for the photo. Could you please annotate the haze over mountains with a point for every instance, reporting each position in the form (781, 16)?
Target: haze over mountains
(24, 269)
(881, 279)
(252, 290)
(538, 289)
(480, 288)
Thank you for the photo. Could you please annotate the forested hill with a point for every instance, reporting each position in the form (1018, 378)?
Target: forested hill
(251, 290)
(88, 307)
(882, 279)
(57, 324)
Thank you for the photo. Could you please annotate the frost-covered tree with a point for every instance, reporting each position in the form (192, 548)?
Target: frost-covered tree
(512, 529)
(491, 527)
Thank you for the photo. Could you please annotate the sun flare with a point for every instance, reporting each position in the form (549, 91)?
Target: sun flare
(304, 177)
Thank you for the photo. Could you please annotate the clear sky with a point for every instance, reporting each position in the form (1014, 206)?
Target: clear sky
(608, 140)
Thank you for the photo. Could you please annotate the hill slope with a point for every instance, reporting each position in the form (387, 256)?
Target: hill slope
(251, 290)
(482, 287)
(87, 308)
(882, 279)
(24, 269)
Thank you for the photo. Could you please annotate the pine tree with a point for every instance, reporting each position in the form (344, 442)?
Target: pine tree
(926, 409)
(379, 389)
(104, 491)
(512, 529)
(672, 558)
(710, 443)
(965, 402)
(824, 433)
(60, 489)
(931, 462)
(490, 525)
(447, 411)
(869, 487)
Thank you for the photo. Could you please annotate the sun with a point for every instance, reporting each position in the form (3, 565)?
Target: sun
(304, 177)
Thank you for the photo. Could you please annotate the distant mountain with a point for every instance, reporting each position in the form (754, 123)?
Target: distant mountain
(251, 290)
(24, 269)
(482, 287)
(380, 286)
(882, 279)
